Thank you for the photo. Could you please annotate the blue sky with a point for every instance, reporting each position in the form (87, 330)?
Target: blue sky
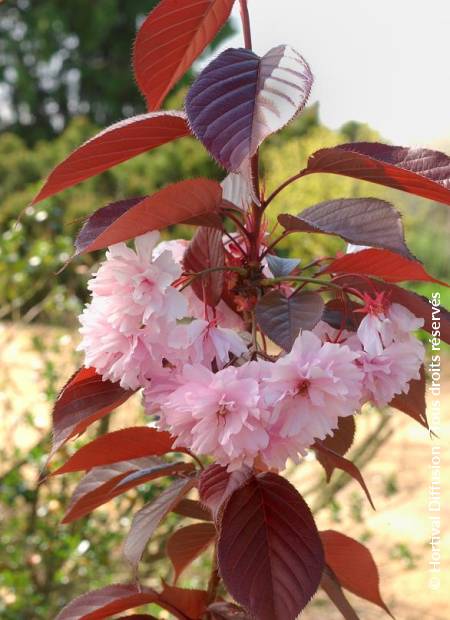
(384, 62)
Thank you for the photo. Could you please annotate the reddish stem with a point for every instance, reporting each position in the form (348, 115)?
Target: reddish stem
(237, 222)
(282, 186)
(245, 18)
(254, 232)
(275, 243)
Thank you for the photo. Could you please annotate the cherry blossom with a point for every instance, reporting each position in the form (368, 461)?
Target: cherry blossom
(130, 326)
(207, 342)
(389, 373)
(139, 284)
(116, 355)
(312, 386)
(217, 414)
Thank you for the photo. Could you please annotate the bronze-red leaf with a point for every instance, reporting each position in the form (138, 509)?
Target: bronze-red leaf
(269, 551)
(85, 398)
(114, 145)
(353, 566)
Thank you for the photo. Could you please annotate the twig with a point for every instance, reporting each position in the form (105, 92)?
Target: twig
(272, 281)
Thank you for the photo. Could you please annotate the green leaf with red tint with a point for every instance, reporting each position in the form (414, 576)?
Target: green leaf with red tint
(128, 443)
(172, 36)
(334, 591)
(149, 517)
(187, 202)
(114, 145)
(85, 398)
(188, 543)
(382, 264)
(353, 566)
(339, 443)
(281, 318)
(101, 484)
(239, 99)
(206, 251)
(268, 546)
(331, 459)
(417, 171)
(107, 601)
(414, 403)
(362, 221)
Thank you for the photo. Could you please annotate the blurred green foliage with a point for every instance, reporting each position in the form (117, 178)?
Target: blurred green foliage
(62, 59)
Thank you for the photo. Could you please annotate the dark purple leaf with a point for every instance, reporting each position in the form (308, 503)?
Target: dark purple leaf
(331, 459)
(362, 221)
(338, 313)
(281, 318)
(216, 484)
(206, 251)
(227, 611)
(334, 591)
(418, 171)
(340, 443)
(99, 221)
(184, 603)
(240, 99)
(269, 551)
(413, 403)
(111, 600)
(280, 266)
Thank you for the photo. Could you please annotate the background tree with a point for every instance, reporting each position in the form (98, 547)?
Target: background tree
(63, 59)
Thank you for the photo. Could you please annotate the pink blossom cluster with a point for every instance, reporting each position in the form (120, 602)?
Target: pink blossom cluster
(390, 355)
(261, 410)
(138, 324)
(196, 371)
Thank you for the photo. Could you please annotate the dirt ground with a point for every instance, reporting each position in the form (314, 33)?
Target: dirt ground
(398, 533)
